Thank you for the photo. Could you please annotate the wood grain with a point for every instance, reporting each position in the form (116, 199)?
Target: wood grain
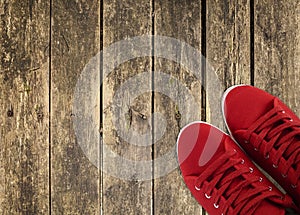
(126, 193)
(277, 49)
(24, 127)
(228, 52)
(179, 20)
(75, 39)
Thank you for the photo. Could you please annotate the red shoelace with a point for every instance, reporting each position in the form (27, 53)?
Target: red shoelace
(277, 131)
(232, 187)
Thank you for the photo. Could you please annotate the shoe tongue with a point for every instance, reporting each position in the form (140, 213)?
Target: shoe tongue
(266, 207)
(251, 115)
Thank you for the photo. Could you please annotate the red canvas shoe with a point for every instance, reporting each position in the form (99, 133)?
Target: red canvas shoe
(220, 176)
(268, 131)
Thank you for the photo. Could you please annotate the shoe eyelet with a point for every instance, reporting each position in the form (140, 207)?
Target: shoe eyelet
(207, 196)
(283, 175)
(197, 188)
(246, 141)
(293, 186)
(291, 120)
(282, 111)
(270, 188)
(251, 169)
(242, 161)
(267, 156)
(260, 179)
(216, 206)
(234, 150)
(275, 166)
(255, 149)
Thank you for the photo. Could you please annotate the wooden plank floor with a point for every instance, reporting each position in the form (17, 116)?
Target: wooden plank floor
(108, 153)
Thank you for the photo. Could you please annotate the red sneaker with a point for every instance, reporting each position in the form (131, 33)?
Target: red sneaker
(220, 176)
(268, 131)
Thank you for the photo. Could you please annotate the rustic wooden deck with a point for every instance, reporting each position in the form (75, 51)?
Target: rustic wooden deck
(45, 46)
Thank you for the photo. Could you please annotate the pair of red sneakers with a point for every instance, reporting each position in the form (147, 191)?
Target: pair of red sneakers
(220, 175)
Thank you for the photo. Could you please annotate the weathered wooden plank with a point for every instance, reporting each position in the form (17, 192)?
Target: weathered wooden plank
(228, 52)
(277, 49)
(75, 39)
(24, 125)
(125, 190)
(177, 98)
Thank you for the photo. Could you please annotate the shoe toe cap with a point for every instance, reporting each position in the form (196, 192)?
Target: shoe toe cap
(243, 105)
(197, 145)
